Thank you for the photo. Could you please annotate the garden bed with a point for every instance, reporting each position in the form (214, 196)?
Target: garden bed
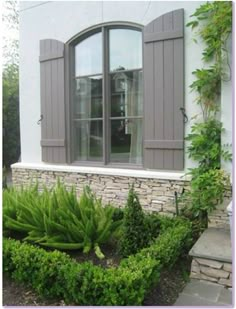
(93, 273)
(164, 293)
(55, 275)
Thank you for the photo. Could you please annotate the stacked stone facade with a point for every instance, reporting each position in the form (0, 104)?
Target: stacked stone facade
(219, 217)
(154, 194)
(213, 271)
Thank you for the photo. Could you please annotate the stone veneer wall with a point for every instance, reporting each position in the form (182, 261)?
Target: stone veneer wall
(210, 270)
(154, 194)
(219, 217)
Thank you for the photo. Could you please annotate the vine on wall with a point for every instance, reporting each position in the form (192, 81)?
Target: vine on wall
(213, 22)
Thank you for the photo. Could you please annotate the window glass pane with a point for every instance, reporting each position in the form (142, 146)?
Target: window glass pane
(126, 141)
(88, 97)
(88, 55)
(125, 49)
(88, 140)
(126, 94)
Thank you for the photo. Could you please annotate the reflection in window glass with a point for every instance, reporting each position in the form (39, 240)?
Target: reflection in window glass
(88, 140)
(88, 56)
(126, 94)
(125, 49)
(88, 97)
(126, 141)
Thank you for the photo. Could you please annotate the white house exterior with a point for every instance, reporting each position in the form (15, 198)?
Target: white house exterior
(65, 20)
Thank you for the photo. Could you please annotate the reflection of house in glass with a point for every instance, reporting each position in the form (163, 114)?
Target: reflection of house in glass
(88, 112)
(126, 115)
(88, 97)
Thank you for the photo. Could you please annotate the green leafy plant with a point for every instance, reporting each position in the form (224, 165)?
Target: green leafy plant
(10, 112)
(205, 147)
(206, 191)
(215, 28)
(134, 229)
(56, 219)
(214, 23)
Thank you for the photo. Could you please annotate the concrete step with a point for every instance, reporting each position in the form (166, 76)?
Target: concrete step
(212, 257)
(203, 293)
(214, 244)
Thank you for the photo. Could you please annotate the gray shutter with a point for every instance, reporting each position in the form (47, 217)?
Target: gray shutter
(52, 87)
(164, 92)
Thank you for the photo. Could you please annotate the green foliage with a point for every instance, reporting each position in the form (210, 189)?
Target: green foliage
(167, 248)
(134, 230)
(11, 127)
(214, 23)
(56, 219)
(206, 191)
(205, 147)
(215, 28)
(207, 84)
(55, 275)
(152, 224)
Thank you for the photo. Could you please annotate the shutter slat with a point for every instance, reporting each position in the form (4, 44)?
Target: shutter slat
(163, 92)
(148, 86)
(163, 144)
(53, 142)
(52, 101)
(167, 35)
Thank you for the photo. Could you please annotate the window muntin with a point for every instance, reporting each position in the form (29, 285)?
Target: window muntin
(116, 135)
(126, 94)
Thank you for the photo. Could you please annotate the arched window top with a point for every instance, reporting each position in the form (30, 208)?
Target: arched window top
(124, 49)
(88, 55)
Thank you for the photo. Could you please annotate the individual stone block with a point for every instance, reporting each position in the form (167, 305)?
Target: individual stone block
(210, 263)
(157, 207)
(204, 277)
(195, 275)
(216, 273)
(195, 263)
(227, 267)
(195, 269)
(225, 282)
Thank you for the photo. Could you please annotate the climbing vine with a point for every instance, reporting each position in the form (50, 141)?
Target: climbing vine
(213, 24)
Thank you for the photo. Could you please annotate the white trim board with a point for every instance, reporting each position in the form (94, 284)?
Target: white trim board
(104, 171)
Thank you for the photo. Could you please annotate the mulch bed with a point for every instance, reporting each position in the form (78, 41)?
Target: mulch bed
(112, 257)
(164, 293)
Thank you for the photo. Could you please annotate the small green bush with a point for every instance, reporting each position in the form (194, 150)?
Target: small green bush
(56, 275)
(134, 235)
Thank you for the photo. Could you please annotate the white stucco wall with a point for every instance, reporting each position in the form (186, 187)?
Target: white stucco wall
(227, 106)
(62, 20)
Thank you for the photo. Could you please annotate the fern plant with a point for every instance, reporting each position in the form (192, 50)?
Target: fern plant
(57, 219)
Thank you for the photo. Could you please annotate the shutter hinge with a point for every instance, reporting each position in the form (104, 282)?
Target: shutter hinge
(41, 118)
(182, 109)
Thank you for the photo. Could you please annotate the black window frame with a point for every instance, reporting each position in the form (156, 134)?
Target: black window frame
(70, 77)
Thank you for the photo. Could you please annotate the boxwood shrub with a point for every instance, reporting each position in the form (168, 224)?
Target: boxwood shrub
(56, 275)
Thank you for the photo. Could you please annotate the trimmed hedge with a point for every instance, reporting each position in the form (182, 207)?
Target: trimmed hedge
(56, 275)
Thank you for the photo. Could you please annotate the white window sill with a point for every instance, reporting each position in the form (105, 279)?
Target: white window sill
(165, 175)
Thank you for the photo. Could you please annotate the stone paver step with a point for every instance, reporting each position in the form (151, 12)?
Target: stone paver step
(203, 293)
(213, 244)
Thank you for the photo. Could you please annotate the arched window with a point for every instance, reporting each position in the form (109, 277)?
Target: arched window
(108, 96)
(95, 87)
